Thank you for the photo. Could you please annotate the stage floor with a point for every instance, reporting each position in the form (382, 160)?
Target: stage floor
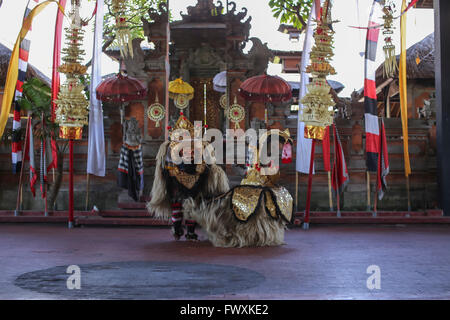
(325, 262)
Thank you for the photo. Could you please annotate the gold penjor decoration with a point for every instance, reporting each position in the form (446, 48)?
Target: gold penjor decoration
(318, 102)
(181, 92)
(72, 112)
(124, 36)
(390, 62)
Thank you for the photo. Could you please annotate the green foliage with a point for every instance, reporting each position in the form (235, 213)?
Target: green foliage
(37, 97)
(136, 9)
(85, 79)
(294, 12)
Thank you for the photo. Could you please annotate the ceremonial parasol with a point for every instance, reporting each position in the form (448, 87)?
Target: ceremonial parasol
(181, 92)
(121, 88)
(220, 82)
(266, 88)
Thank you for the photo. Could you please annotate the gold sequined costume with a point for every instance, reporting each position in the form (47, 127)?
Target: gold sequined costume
(254, 213)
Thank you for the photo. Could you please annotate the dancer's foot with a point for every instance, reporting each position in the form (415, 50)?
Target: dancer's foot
(192, 237)
(177, 231)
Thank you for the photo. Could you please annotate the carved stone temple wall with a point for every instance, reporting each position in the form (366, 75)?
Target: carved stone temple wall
(209, 39)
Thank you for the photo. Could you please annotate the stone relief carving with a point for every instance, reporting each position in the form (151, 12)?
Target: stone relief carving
(260, 55)
(205, 56)
(132, 134)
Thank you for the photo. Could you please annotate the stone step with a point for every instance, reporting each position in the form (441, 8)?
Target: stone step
(32, 219)
(125, 213)
(131, 205)
(375, 220)
(33, 213)
(427, 213)
(101, 221)
(143, 218)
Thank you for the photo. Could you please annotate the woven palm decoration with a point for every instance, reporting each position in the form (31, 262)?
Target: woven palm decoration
(390, 62)
(318, 102)
(124, 37)
(72, 106)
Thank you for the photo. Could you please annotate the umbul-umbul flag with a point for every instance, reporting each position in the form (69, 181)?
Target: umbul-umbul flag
(370, 91)
(339, 175)
(96, 144)
(24, 52)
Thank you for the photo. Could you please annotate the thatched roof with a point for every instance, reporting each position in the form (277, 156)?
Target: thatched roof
(32, 72)
(426, 4)
(424, 70)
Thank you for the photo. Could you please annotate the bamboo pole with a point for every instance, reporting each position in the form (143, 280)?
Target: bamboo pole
(296, 191)
(408, 193)
(19, 190)
(70, 183)
(368, 190)
(167, 70)
(375, 200)
(86, 206)
(308, 195)
(330, 195)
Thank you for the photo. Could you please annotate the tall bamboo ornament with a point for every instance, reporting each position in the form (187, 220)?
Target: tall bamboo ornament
(72, 106)
(204, 105)
(390, 62)
(318, 103)
(124, 37)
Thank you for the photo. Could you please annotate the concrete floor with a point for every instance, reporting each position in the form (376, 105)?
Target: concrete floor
(325, 262)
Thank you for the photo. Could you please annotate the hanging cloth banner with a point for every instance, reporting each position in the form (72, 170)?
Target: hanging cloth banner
(303, 152)
(370, 91)
(339, 175)
(404, 92)
(383, 163)
(96, 144)
(13, 68)
(24, 51)
(55, 75)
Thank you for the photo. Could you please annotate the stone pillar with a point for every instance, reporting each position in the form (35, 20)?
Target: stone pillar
(442, 68)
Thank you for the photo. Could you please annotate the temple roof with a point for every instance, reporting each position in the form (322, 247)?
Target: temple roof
(426, 4)
(422, 50)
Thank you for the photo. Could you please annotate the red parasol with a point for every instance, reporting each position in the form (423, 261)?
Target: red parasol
(265, 88)
(120, 89)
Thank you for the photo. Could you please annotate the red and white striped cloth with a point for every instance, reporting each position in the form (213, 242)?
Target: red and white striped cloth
(370, 91)
(23, 65)
(383, 163)
(339, 174)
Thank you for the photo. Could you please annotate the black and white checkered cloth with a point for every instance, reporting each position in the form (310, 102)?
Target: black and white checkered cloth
(131, 170)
